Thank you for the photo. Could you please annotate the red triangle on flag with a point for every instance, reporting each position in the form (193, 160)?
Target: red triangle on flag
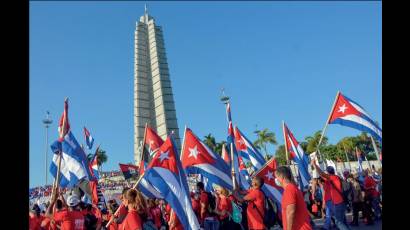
(194, 151)
(166, 157)
(267, 173)
(342, 108)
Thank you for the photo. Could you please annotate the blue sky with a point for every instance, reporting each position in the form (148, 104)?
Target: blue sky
(276, 60)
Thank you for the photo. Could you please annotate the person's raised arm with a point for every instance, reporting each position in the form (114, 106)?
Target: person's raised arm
(49, 212)
(290, 215)
(63, 200)
(321, 173)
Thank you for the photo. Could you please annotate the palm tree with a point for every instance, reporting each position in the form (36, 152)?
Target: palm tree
(209, 140)
(218, 147)
(101, 157)
(312, 141)
(264, 137)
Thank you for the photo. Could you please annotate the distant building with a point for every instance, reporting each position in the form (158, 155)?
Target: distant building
(153, 97)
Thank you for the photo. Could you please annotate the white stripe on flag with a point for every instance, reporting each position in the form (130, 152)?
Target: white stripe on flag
(363, 122)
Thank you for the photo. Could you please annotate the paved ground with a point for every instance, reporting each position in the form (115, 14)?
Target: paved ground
(376, 226)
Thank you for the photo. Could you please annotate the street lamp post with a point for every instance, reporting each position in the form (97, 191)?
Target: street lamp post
(47, 122)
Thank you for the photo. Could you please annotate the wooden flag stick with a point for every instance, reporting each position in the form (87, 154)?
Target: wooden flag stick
(327, 122)
(286, 146)
(233, 169)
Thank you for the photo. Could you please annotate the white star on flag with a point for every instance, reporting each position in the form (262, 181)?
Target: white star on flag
(269, 175)
(163, 156)
(193, 152)
(342, 108)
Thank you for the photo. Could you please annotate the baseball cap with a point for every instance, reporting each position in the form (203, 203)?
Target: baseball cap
(73, 201)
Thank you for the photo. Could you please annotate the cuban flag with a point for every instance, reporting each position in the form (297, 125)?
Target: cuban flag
(348, 113)
(267, 172)
(297, 155)
(64, 124)
(94, 167)
(207, 185)
(225, 155)
(231, 143)
(243, 172)
(89, 140)
(128, 171)
(74, 165)
(166, 174)
(197, 158)
(247, 150)
(152, 140)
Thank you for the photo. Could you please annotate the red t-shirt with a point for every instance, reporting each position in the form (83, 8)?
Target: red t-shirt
(77, 219)
(370, 186)
(132, 221)
(122, 212)
(203, 200)
(255, 206)
(334, 194)
(113, 225)
(326, 190)
(224, 204)
(35, 222)
(195, 205)
(62, 218)
(168, 212)
(292, 195)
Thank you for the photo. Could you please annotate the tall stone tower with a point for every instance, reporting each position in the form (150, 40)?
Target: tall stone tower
(153, 98)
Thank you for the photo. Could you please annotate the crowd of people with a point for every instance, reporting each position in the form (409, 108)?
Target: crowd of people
(329, 196)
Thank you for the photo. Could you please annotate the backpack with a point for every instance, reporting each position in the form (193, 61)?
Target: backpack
(236, 213)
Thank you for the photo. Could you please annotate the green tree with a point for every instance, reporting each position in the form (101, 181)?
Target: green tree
(280, 155)
(218, 147)
(209, 140)
(101, 157)
(332, 152)
(347, 145)
(264, 137)
(312, 142)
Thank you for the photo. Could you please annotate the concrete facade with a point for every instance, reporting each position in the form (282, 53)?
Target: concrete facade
(153, 97)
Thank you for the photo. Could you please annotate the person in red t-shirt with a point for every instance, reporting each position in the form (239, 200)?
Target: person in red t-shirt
(69, 219)
(223, 207)
(132, 221)
(195, 203)
(255, 211)
(335, 185)
(295, 215)
(35, 218)
(204, 203)
(372, 195)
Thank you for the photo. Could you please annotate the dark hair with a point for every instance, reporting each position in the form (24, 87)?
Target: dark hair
(200, 185)
(285, 172)
(330, 170)
(59, 204)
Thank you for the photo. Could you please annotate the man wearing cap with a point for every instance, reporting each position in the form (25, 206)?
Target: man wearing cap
(336, 196)
(69, 219)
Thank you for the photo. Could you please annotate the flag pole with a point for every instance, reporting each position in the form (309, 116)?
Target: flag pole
(57, 178)
(327, 123)
(143, 143)
(376, 149)
(183, 144)
(347, 158)
(233, 169)
(286, 147)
